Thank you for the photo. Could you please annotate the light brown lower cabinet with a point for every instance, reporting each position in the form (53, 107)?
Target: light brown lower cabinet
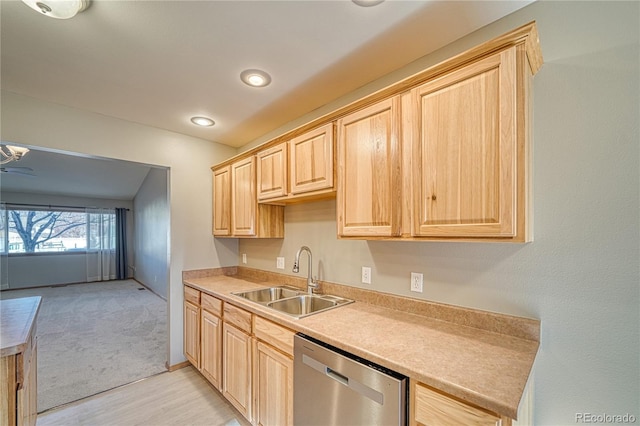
(236, 366)
(273, 374)
(18, 392)
(430, 407)
(211, 348)
(273, 387)
(28, 392)
(250, 360)
(211, 339)
(247, 358)
(19, 407)
(192, 333)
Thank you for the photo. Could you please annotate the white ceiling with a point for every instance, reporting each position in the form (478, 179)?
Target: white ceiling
(42, 172)
(158, 63)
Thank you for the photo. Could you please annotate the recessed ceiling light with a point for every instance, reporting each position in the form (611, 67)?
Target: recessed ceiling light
(367, 3)
(59, 9)
(202, 121)
(255, 78)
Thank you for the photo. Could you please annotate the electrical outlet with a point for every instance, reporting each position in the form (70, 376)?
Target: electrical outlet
(244, 258)
(366, 275)
(416, 282)
(280, 262)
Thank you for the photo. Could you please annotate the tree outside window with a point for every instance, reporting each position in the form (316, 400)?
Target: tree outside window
(32, 231)
(45, 230)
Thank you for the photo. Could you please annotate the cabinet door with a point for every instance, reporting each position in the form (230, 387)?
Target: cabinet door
(272, 172)
(311, 165)
(243, 197)
(222, 201)
(464, 147)
(192, 333)
(369, 192)
(211, 348)
(274, 387)
(236, 364)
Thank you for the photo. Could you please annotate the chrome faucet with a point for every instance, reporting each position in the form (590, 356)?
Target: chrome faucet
(312, 283)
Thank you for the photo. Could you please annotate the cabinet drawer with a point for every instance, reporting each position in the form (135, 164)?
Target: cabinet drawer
(192, 295)
(238, 317)
(211, 304)
(435, 408)
(273, 334)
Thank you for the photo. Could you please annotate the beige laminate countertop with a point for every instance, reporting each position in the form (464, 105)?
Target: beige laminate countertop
(481, 367)
(17, 318)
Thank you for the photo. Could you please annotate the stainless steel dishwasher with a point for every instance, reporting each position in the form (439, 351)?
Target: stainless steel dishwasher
(333, 387)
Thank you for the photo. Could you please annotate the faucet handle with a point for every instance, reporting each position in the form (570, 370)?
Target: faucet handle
(314, 283)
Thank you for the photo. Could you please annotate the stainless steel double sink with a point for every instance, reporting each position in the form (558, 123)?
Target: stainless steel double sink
(293, 301)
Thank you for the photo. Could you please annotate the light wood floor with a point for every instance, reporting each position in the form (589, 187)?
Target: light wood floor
(182, 397)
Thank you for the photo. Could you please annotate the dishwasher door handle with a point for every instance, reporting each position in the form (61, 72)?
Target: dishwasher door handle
(354, 385)
(337, 376)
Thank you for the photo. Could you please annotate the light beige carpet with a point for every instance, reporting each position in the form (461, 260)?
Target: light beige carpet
(94, 337)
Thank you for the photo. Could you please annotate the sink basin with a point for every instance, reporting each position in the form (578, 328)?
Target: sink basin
(265, 295)
(302, 305)
(293, 301)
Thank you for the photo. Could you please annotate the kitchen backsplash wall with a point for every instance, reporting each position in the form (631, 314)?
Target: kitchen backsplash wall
(454, 273)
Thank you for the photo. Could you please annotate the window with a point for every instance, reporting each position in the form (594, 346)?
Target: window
(38, 230)
(102, 229)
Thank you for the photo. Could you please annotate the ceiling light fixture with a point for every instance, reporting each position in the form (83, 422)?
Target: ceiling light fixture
(9, 153)
(365, 3)
(59, 9)
(202, 121)
(255, 78)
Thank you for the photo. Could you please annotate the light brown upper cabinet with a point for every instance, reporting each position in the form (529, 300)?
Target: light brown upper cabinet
(222, 201)
(369, 176)
(453, 163)
(441, 155)
(465, 151)
(243, 197)
(311, 161)
(272, 172)
(301, 168)
(239, 211)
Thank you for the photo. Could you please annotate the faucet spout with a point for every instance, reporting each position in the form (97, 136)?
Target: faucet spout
(311, 282)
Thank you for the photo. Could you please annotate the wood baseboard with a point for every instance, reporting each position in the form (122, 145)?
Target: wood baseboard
(175, 367)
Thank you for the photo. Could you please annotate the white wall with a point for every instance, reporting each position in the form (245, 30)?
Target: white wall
(47, 269)
(43, 270)
(191, 245)
(151, 212)
(581, 274)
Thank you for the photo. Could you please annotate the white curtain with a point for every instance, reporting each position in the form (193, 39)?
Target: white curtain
(101, 237)
(4, 250)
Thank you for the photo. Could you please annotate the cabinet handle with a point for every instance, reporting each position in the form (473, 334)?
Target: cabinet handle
(433, 197)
